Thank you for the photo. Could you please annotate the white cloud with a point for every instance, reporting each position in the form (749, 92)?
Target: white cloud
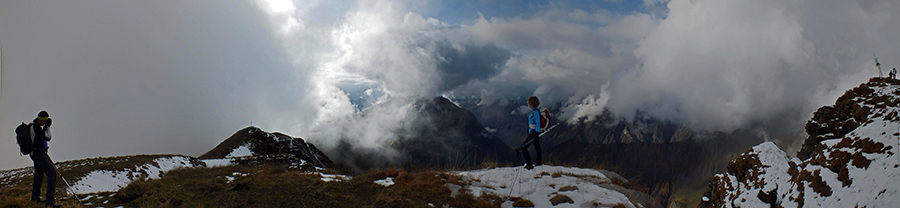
(587, 109)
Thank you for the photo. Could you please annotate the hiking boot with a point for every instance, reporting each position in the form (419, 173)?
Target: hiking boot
(528, 166)
(54, 205)
(42, 201)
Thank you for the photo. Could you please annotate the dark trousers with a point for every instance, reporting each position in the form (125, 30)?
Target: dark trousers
(43, 166)
(532, 139)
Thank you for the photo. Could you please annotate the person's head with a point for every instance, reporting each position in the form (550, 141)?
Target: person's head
(42, 117)
(533, 102)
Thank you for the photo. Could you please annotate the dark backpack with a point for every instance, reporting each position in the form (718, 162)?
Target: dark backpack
(23, 137)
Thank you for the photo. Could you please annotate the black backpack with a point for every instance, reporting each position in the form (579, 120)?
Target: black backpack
(23, 137)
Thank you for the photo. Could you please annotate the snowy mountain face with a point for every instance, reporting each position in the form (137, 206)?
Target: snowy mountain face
(253, 145)
(849, 159)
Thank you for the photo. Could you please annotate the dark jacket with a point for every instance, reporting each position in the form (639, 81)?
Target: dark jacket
(40, 135)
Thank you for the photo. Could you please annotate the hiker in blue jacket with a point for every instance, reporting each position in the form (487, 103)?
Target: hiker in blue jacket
(534, 123)
(40, 135)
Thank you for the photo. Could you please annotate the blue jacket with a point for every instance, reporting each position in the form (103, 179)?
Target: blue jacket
(534, 121)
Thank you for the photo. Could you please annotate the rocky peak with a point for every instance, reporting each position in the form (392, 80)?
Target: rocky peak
(252, 144)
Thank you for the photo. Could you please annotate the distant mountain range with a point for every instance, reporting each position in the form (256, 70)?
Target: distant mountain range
(508, 123)
(442, 135)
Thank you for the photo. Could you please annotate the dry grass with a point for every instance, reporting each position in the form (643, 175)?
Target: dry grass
(489, 165)
(556, 175)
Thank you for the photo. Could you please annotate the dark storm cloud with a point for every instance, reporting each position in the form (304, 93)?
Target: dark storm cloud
(458, 66)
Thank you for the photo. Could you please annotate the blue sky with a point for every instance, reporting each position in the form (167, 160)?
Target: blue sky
(455, 12)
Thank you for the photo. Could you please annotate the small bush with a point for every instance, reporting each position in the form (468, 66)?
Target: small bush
(568, 188)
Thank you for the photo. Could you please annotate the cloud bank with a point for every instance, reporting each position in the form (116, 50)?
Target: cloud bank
(714, 66)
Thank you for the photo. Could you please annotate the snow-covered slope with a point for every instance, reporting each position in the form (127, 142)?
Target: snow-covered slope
(850, 159)
(552, 186)
(105, 174)
(113, 180)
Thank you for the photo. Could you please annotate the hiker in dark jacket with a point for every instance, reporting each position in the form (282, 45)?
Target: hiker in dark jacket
(40, 135)
(534, 123)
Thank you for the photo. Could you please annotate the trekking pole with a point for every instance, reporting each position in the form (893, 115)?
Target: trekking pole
(547, 130)
(515, 180)
(68, 187)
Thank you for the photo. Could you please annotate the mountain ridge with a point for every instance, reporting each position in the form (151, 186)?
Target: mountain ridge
(849, 159)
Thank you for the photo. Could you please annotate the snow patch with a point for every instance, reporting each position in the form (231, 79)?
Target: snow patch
(217, 162)
(241, 151)
(584, 186)
(333, 177)
(234, 175)
(385, 182)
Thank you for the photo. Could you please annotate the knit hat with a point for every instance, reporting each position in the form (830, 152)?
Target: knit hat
(43, 114)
